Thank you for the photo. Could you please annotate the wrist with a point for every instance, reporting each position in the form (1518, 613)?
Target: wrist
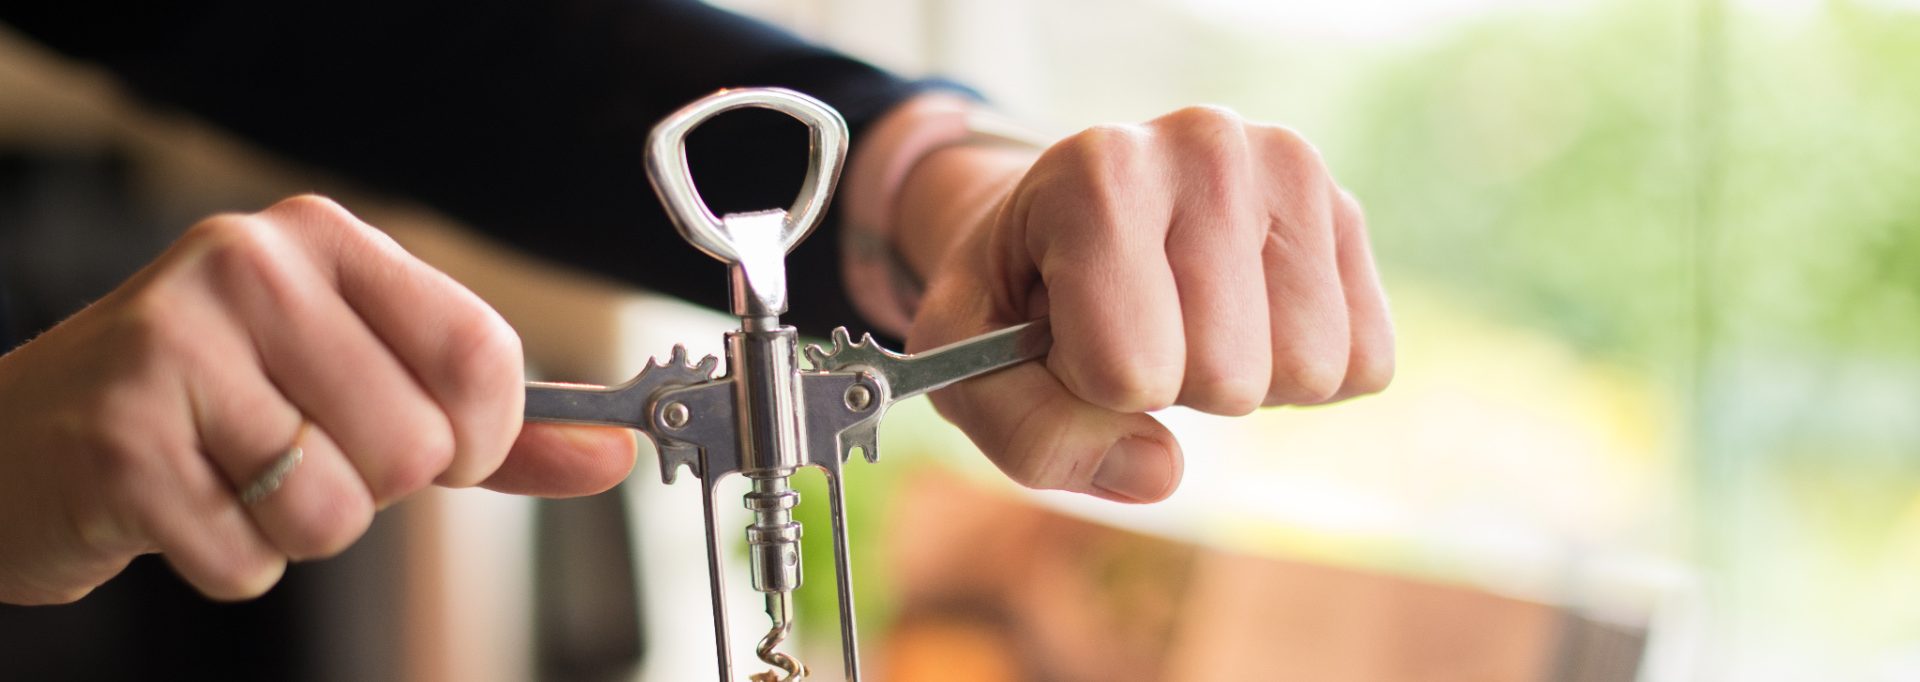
(924, 175)
(951, 193)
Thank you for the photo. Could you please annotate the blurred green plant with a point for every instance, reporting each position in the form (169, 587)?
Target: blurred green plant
(1727, 199)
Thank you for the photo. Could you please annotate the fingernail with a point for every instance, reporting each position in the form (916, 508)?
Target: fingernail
(1134, 468)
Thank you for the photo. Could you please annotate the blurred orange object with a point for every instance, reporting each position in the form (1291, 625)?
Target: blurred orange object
(1005, 590)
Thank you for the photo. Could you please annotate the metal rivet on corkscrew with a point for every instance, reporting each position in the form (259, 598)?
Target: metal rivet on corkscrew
(766, 417)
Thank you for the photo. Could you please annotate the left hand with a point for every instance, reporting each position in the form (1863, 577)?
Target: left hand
(134, 426)
(1197, 259)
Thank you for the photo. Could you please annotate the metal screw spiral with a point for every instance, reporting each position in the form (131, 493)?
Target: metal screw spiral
(794, 670)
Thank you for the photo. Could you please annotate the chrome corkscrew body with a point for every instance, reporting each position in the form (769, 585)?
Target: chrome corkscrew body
(766, 416)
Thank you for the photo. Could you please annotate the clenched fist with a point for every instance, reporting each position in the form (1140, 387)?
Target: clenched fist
(133, 426)
(1198, 259)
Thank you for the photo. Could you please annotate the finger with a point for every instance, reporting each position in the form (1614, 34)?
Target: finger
(462, 352)
(564, 460)
(1370, 360)
(196, 520)
(245, 426)
(1214, 251)
(1308, 314)
(1049, 438)
(1036, 430)
(321, 506)
(325, 360)
(1109, 290)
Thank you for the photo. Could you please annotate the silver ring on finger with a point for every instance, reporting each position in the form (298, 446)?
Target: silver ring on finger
(276, 474)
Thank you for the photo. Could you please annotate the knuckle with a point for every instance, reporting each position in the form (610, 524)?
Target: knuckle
(1104, 153)
(1290, 153)
(325, 223)
(486, 374)
(1369, 375)
(1206, 113)
(237, 578)
(310, 208)
(325, 530)
(1130, 385)
(1104, 139)
(1352, 212)
(247, 255)
(483, 355)
(417, 458)
(1086, 184)
(1368, 382)
(237, 247)
(1283, 141)
(1306, 381)
(1222, 391)
(1206, 119)
(223, 227)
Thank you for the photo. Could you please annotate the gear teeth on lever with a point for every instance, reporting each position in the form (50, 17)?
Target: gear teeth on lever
(678, 372)
(849, 353)
(820, 357)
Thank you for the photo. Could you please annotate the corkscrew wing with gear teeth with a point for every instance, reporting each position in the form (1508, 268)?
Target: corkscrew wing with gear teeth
(622, 405)
(905, 376)
(900, 376)
(626, 404)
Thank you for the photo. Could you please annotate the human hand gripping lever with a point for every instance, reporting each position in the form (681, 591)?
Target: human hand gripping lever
(766, 417)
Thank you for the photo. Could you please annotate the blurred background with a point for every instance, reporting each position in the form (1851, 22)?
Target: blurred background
(1655, 268)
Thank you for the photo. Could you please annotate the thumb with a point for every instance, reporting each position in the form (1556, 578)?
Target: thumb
(1030, 425)
(1043, 436)
(565, 460)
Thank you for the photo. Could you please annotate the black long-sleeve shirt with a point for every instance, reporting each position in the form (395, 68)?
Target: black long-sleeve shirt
(525, 119)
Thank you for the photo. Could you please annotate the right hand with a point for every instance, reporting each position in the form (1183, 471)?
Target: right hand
(128, 428)
(1198, 259)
